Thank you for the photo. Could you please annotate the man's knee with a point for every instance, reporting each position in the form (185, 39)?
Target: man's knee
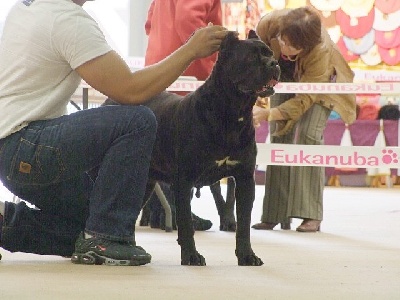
(144, 118)
(149, 119)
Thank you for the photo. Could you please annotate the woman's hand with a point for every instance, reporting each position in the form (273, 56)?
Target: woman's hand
(260, 114)
(262, 102)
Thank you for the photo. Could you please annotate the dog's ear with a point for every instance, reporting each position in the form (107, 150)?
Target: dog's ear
(231, 37)
(252, 35)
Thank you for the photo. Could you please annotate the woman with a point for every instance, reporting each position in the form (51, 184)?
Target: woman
(306, 54)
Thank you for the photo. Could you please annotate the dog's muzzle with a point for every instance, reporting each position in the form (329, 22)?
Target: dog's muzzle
(268, 88)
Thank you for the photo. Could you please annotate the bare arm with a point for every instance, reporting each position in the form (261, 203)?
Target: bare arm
(110, 75)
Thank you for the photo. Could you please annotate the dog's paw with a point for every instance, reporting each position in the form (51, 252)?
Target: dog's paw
(195, 259)
(250, 260)
(228, 226)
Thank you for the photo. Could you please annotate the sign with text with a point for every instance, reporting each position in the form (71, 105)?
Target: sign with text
(309, 88)
(328, 156)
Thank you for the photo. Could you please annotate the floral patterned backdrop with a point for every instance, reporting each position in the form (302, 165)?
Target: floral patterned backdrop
(366, 31)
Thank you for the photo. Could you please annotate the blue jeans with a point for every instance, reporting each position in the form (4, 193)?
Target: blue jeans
(83, 171)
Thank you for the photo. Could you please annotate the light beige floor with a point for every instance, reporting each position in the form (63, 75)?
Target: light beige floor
(356, 256)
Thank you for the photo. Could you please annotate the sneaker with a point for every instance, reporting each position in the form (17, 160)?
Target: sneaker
(98, 251)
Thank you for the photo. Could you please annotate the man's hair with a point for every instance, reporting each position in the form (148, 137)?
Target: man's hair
(302, 27)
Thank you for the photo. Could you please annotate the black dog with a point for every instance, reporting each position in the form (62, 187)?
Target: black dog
(208, 135)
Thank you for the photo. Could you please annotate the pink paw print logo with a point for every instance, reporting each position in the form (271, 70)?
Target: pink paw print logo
(389, 156)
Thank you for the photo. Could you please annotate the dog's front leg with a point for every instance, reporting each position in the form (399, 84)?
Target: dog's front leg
(245, 193)
(189, 254)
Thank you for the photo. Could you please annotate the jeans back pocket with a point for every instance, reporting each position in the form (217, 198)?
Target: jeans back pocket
(35, 164)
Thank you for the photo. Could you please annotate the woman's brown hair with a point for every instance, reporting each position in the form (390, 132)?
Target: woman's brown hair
(302, 27)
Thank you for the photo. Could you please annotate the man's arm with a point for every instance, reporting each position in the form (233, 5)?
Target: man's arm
(110, 75)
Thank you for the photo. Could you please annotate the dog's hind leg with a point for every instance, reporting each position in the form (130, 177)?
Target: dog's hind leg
(146, 211)
(229, 214)
(166, 206)
(145, 216)
(225, 208)
(215, 189)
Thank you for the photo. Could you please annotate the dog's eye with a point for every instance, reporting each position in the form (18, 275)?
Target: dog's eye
(266, 51)
(255, 56)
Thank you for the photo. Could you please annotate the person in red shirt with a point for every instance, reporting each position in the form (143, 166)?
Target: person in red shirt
(171, 22)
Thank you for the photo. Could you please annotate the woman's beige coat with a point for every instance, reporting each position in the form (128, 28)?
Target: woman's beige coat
(319, 65)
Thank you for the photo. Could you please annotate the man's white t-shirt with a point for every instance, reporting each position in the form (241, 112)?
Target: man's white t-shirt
(43, 42)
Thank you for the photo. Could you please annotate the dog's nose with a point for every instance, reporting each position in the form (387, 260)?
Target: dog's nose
(274, 63)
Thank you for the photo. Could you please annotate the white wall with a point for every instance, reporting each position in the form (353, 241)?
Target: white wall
(5, 6)
(137, 35)
(122, 21)
(113, 18)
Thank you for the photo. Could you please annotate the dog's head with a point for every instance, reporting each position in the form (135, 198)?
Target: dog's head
(249, 64)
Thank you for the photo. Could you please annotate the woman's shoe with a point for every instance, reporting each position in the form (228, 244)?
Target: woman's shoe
(309, 225)
(270, 226)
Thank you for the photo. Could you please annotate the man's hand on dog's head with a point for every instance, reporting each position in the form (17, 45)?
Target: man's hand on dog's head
(206, 40)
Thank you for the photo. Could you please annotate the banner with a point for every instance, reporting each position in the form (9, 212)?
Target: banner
(328, 156)
(309, 88)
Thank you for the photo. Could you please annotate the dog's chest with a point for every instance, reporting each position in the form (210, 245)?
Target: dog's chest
(226, 162)
(219, 137)
(218, 163)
